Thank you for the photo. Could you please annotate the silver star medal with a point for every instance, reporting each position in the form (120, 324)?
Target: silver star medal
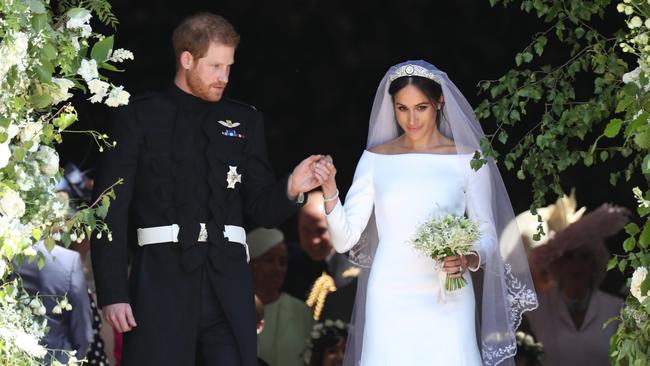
(233, 177)
(229, 124)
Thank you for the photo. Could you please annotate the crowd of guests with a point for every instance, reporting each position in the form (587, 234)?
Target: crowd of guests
(305, 290)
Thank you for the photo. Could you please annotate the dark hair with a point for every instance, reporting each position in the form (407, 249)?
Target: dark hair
(331, 337)
(196, 32)
(430, 88)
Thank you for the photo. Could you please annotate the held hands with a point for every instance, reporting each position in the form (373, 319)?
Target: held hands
(119, 316)
(302, 179)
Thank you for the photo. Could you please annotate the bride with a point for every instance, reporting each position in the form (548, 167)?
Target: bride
(422, 137)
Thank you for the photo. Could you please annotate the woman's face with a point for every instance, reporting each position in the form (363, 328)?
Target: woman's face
(575, 269)
(415, 113)
(270, 268)
(333, 356)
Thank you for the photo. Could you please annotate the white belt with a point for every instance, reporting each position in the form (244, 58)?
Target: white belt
(169, 233)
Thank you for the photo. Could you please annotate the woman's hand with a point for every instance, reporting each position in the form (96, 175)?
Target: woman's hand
(325, 172)
(455, 266)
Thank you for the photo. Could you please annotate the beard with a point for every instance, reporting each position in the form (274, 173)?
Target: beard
(211, 92)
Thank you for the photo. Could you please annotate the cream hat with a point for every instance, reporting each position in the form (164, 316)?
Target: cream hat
(261, 240)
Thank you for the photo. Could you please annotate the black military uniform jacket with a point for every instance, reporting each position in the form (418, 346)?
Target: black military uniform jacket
(175, 172)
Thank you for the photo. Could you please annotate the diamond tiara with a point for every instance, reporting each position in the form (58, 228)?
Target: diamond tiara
(413, 70)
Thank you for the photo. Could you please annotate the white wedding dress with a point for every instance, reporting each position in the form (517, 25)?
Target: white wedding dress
(406, 324)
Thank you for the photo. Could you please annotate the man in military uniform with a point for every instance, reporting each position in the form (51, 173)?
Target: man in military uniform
(193, 165)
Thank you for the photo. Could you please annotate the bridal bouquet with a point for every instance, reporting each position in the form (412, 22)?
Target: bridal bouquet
(447, 235)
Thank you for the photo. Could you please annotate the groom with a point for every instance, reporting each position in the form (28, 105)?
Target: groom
(193, 163)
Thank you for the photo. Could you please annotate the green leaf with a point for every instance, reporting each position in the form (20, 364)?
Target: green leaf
(629, 244)
(604, 155)
(41, 261)
(43, 72)
(77, 12)
(503, 137)
(101, 50)
(613, 128)
(632, 229)
(36, 6)
(40, 22)
(109, 67)
(622, 265)
(41, 101)
(642, 137)
(37, 233)
(49, 244)
(613, 262)
(641, 120)
(644, 238)
(527, 56)
(514, 115)
(631, 90)
(645, 166)
(49, 51)
(645, 285)
(19, 153)
(539, 45)
(624, 103)
(521, 175)
(64, 120)
(518, 61)
(102, 210)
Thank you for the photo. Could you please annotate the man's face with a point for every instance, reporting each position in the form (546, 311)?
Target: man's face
(207, 76)
(312, 232)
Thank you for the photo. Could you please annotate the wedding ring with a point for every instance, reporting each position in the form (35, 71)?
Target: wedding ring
(460, 269)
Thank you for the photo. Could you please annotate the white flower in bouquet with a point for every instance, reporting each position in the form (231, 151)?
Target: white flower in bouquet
(80, 20)
(30, 251)
(24, 180)
(31, 132)
(638, 277)
(120, 55)
(11, 204)
(99, 89)
(29, 344)
(117, 97)
(88, 70)
(13, 52)
(632, 76)
(75, 43)
(444, 236)
(12, 131)
(5, 154)
(48, 160)
(60, 207)
(62, 94)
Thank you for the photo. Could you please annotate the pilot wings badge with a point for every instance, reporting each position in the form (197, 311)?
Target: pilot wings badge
(230, 129)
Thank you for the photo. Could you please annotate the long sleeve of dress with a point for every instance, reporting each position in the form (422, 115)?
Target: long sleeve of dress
(346, 223)
(478, 199)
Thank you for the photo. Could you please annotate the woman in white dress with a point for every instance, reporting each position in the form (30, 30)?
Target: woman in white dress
(422, 137)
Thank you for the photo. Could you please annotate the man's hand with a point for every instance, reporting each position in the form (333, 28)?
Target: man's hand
(119, 316)
(303, 179)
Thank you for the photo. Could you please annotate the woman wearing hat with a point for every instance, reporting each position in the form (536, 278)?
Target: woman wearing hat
(287, 320)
